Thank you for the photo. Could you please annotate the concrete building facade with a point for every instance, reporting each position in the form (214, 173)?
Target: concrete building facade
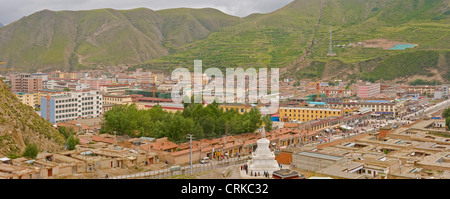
(304, 114)
(367, 91)
(72, 105)
(26, 82)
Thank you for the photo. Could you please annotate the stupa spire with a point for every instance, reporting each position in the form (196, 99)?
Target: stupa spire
(263, 131)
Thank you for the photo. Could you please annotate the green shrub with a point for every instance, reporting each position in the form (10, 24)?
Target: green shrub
(31, 151)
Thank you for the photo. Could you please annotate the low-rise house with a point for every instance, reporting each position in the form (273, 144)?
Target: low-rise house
(8, 171)
(349, 170)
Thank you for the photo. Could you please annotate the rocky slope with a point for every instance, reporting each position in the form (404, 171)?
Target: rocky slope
(20, 125)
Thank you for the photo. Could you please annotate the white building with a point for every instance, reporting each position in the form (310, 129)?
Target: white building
(81, 86)
(72, 105)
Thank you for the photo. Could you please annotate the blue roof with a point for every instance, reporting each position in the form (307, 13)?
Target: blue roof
(148, 138)
(318, 103)
(377, 101)
(402, 46)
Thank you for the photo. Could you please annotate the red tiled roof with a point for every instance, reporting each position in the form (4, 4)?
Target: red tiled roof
(290, 125)
(152, 99)
(248, 142)
(182, 152)
(162, 146)
(114, 85)
(166, 107)
(98, 138)
(83, 141)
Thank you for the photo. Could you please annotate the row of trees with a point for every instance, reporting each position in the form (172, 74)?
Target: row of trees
(195, 119)
(446, 115)
(424, 82)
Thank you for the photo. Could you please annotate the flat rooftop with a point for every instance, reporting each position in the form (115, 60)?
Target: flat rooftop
(319, 155)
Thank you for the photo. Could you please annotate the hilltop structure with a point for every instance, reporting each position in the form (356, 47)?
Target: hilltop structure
(330, 49)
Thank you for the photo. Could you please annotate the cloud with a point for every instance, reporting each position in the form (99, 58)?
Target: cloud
(14, 10)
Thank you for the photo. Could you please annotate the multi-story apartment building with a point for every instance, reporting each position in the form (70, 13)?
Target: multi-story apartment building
(441, 92)
(26, 82)
(71, 105)
(378, 107)
(27, 98)
(305, 114)
(336, 92)
(367, 91)
(110, 100)
(59, 74)
(424, 90)
(42, 94)
(125, 79)
(61, 83)
(117, 99)
(240, 108)
(114, 89)
(95, 83)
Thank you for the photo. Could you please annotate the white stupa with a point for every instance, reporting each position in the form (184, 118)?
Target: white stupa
(263, 159)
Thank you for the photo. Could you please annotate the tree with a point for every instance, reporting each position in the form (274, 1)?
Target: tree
(202, 122)
(446, 113)
(446, 116)
(267, 122)
(72, 141)
(66, 131)
(66, 89)
(31, 151)
(69, 135)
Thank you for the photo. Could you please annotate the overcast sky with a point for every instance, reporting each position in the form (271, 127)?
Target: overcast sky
(12, 10)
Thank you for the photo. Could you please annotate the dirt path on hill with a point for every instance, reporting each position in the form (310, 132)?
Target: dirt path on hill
(294, 65)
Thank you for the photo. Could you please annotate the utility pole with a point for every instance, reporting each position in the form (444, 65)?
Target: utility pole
(190, 143)
(115, 139)
(98, 169)
(200, 154)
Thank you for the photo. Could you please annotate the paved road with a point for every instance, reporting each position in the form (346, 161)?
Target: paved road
(430, 110)
(185, 169)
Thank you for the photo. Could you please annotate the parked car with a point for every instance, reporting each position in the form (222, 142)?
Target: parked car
(205, 160)
(175, 168)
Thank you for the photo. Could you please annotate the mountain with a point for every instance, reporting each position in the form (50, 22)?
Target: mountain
(294, 38)
(20, 125)
(74, 40)
(1, 24)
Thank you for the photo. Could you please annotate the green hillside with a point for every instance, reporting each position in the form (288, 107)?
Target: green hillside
(425, 23)
(263, 40)
(294, 38)
(279, 39)
(74, 40)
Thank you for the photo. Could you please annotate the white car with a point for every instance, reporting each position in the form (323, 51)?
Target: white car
(205, 160)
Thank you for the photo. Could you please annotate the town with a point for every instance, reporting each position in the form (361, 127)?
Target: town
(335, 129)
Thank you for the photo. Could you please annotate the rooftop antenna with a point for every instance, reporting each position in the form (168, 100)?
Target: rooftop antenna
(330, 49)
